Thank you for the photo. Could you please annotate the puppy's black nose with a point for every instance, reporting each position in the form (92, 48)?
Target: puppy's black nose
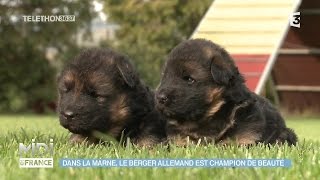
(162, 98)
(68, 114)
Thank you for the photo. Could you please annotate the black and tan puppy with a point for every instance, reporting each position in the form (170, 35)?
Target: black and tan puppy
(99, 91)
(204, 96)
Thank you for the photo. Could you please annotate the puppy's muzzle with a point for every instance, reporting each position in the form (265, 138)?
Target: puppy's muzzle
(162, 98)
(68, 115)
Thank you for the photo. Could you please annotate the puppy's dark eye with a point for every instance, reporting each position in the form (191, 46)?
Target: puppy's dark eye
(189, 79)
(92, 94)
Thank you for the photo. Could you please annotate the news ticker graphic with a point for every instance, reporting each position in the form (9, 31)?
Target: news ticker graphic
(173, 163)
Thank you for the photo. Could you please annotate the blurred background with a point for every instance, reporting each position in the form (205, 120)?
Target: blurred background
(32, 53)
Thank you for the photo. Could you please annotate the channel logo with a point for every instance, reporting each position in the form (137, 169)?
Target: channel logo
(36, 155)
(295, 20)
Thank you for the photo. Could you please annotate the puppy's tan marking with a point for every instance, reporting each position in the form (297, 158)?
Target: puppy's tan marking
(214, 97)
(214, 94)
(214, 108)
(68, 77)
(73, 81)
(208, 51)
(191, 65)
(101, 82)
(232, 120)
(119, 109)
(195, 70)
(98, 78)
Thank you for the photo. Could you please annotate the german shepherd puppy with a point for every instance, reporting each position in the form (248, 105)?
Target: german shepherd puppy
(204, 97)
(99, 91)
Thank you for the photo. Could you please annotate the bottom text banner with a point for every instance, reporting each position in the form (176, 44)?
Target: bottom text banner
(173, 163)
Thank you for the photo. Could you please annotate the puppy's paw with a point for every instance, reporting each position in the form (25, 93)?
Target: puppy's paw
(80, 139)
(148, 141)
(243, 139)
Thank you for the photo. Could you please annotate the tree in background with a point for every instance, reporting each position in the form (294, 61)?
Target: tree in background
(149, 29)
(27, 77)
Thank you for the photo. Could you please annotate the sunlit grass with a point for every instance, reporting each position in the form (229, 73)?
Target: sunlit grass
(15, 129)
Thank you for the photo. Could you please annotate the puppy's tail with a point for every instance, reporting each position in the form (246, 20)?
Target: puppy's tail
(287, 135)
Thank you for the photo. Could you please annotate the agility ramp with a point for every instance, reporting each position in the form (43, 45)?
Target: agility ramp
(251, 31)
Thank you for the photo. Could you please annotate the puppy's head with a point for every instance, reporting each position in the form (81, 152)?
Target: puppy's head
(196, 76)
(93, 92)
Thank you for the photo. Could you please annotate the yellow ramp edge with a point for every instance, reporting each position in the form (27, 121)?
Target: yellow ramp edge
(223, 26)
(246, 26)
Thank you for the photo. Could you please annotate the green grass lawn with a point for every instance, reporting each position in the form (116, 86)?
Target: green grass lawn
(15, 129)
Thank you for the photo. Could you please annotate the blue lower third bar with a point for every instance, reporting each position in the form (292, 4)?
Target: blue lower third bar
(173, 163)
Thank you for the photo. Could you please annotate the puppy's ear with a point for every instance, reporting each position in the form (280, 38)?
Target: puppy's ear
(222, 68)
(127, 72)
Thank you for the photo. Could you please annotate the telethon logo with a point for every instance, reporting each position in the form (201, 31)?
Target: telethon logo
(36, 155)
